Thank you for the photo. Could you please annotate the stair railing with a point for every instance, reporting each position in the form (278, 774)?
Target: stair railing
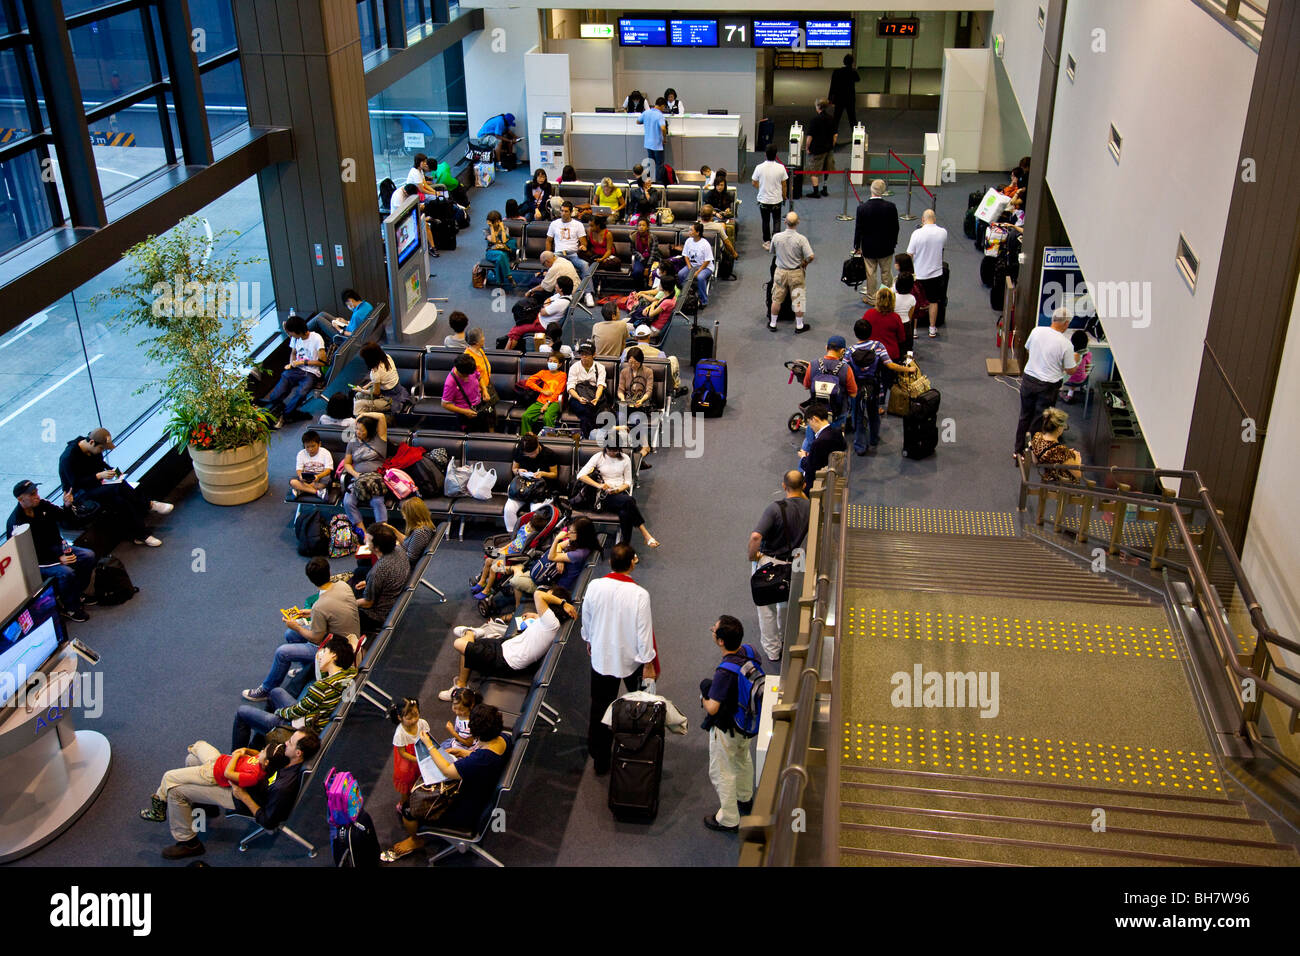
(770, 833)
(1248, 675)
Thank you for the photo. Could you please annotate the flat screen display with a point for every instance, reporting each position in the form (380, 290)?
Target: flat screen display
(782, 33)
(408, 235)
(693, 32)
(642, 32)
(28, 639)
(828, 34)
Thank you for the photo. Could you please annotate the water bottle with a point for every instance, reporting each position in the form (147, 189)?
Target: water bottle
(292, 312)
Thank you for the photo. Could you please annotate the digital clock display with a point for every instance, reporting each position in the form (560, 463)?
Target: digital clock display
(904, 27)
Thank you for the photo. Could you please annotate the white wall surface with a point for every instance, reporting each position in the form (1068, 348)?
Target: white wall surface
(1182, 131)
(591, 72)
(1006, 138)
(546, 79)
(494, 67)
(1271, 556)
(961, 107)
(1017, 21)
(712, 79)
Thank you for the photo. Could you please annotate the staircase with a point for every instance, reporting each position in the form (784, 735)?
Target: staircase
(1092, 752)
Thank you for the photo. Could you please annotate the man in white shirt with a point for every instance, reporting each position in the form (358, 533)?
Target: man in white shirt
(697, 251)
(567, 237)
(926, 249)
(771, 180)
(619, 631)
(306, 359)
(1051, 360)
(586, 371)
(489, 655)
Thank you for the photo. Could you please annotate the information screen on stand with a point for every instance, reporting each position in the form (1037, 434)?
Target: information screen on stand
(642, 32)
(823, 34)
(693, 32)
(776, 33)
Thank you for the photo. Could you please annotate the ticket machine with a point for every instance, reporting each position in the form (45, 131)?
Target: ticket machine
(552, 143)
(858, 155)
(796, 144)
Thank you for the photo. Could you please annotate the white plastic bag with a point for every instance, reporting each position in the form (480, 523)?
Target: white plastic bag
(457, 478)
(481, 481)
(992, 205)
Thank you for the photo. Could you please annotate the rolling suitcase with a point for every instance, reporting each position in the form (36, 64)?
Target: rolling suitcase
(704, 343)
(920, 426)
(638, 760)
(709, 392)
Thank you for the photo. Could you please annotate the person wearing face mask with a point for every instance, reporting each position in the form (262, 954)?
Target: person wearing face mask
(549, 384)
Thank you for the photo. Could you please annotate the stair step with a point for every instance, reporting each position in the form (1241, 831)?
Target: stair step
(1119, 813)
(853, 856)
(1098, 796)
(1076, 837)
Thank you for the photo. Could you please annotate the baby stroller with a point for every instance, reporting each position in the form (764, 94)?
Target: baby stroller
(497, 597)
(797, 422)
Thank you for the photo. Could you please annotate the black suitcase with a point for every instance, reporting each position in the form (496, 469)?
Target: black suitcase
(638, 763)
(703, 345)
(796, 181)
(787, 308)
(988, 269)
(920, 426)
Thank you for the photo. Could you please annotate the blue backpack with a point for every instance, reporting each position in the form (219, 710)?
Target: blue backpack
(828, 385)
(750, 684)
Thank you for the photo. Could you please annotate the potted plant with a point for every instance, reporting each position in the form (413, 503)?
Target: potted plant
(199, 319)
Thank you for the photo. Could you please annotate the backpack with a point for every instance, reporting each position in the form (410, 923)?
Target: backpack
(343, 799)
(827, 385)
(430, 472)
(110, 583)
(670, 175)
(866, 365)
(399, 483)
(342, 538)
(854, 271)
(750, 685)
(309, 529)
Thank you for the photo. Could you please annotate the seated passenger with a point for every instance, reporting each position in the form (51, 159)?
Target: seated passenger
(462, 394)
(611, 197)
(611, 334)
(712, 227)
(314, 468)
(491, 656)
(385, 581)
(610, 471)
(364, 457)
(553, 342)
(458, 322)
(515, 553)
(333, 329)
(501, 248)
(312, 710)
(537, 197)
(657, 303)
(85, 476)
(333, 612)
(478, 772)
(645, 253)
(269, 806)
(338, 411)
(643, 334)
(719, 197)
(382, 390)
(498, 132)
(70, 567)
(307, 359)
(643, 200)
(600, 252)
(419, 531)
(586, 387)
(531, 461)
(1047, 448)
(208, 766)
(563, 563)
(532, 318)
(549, 384)
(544, 283)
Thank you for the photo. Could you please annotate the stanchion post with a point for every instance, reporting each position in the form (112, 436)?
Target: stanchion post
(908, 216)
(844, 207)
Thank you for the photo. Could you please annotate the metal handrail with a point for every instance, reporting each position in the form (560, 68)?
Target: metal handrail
(1213, 612)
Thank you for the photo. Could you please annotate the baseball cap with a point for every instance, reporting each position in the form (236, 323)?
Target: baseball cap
(24, 487)
(587, 348)
(643, 331)
(836, 342)
(101, 437)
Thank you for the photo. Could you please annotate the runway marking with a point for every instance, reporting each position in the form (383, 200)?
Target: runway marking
(59, 384)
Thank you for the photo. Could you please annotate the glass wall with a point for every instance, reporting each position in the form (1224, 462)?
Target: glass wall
(69, 368)
(423, 112)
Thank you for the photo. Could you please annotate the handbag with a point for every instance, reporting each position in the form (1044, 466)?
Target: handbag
(664, 215)
(905, 389)
(428, 801)
(526, 489)
(770, 582)
(481, 481)
(368, 485)
(478, 277)
(483, 406)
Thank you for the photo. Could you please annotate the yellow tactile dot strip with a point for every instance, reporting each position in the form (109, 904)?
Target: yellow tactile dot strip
(1076, 761)
(1119, 639)
(932, 520)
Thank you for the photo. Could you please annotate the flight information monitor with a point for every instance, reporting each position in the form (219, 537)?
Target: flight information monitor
(693, 32)
(824, 34)
(642, 32)
(408, 235)
(776, 33)
(27, 641)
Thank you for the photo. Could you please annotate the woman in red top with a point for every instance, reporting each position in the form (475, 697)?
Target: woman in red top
(886, 325)
(600, 245)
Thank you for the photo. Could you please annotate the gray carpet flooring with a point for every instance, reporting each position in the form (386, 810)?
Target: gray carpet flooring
(206, 620)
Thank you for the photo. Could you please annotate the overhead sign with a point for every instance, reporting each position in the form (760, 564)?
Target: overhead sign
(596, 31)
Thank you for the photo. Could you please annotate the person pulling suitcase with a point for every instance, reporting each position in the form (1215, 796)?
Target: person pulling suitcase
(732, 700)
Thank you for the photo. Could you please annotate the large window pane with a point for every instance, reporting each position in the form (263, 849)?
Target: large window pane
(45, 395)
(127, 145)
(223, 96)
(214, 18)
(24, 211)
(420, 113)
(111, 57)
(15, 122)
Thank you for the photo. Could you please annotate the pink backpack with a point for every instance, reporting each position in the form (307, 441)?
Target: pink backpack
(399, 483)
(343, 800)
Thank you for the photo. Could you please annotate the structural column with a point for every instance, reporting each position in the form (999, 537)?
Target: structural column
(1255, 288)
(302, 66)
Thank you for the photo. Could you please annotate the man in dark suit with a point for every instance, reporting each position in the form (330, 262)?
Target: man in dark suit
(827, 438)
(875, 237)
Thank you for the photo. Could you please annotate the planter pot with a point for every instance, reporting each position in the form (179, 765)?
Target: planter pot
(233, 477)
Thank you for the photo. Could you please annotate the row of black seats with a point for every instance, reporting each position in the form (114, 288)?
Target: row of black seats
(684, 199)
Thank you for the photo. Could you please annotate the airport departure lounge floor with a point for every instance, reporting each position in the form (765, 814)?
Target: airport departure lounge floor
(206, 619)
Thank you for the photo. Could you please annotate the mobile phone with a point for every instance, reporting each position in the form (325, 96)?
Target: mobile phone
(84, 652)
